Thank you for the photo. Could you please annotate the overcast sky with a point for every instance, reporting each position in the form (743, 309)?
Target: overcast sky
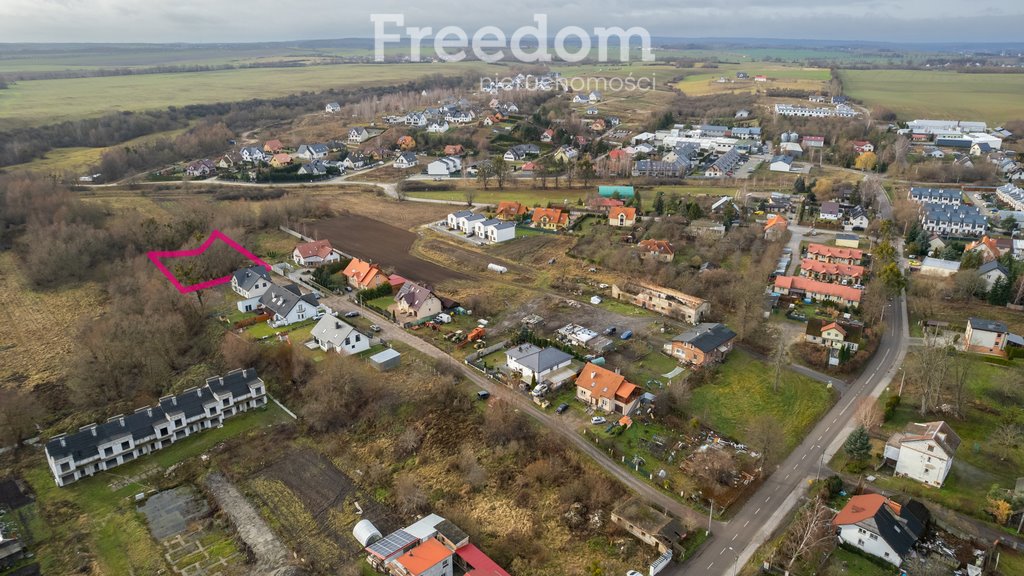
(274, 20)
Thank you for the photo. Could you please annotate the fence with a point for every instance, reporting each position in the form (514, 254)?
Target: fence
(485, 351)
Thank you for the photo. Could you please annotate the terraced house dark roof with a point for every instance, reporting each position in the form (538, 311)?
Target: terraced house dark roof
(140, 424)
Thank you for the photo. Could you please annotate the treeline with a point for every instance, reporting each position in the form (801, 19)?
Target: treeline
(203, 140)
(152, 335)
(25, 144)
(12, 77)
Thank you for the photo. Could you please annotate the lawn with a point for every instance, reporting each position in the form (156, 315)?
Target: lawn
(977, 465)
(844, 562)
(994, 98)
(97, 515)
(263, 330)
(38, 102)
(924, 302)
(742, 390)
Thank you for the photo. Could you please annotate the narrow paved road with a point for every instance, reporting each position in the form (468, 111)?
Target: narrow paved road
(737, 540)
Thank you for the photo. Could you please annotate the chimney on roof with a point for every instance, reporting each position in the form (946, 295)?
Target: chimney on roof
(149, 412)
(63, 444)
(174, 400)
(93, 430)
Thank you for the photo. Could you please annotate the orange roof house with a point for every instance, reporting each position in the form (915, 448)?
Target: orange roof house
(454, 150)
(510, 210)
(622, 216)
(618, 154)
(987, 247)
(550, 218)
(607, 390)
(818, 291)
(829, 272)
(658, 249)
(835, 254)
(422, 558)
(775, 227)
(604, 204)
(279, 160)
(363, 275)
(273, 146)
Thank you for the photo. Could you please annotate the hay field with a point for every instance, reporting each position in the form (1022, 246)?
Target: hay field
(993, 98)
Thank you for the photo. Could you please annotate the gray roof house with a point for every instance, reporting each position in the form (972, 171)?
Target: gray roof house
(417, 301)
(331, 333)
(250, 282)
(992, 271)
(531, 361)
(289, 305)
(122, 438)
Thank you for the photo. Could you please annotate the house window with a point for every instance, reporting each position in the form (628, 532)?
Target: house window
(65, 467)
(225, 402)
(860, 542)
(886, 554)
(874, 536)
(108, 451)
(125, 445)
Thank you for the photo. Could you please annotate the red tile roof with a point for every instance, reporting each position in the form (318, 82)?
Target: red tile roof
(321, 248)
(363, 273)
(604, 383)
(425, 556)
(835, 251)
(481, 563)
(776, 220)
(659, 246)
(628, 211)
(861, 508)
(833, 326)
(815, 287)
(552, 215)
(820, 267)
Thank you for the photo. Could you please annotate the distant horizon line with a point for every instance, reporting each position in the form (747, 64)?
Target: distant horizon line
(793, 42)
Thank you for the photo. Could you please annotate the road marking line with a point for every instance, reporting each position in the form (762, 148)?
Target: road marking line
(746, 523)
(819, 438)
(827, 427)
(804, 456)
(722, 552)
(767, 499)
(756, 511)
(788, 475)
(710, 565)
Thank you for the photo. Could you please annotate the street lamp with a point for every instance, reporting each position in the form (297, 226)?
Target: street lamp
(736, 565)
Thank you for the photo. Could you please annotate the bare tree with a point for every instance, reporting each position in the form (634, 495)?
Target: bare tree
(19, 413)
(810, 537)
(470, 195)
(780, 359)
(764, 436)
(869, 414)
(409, 496)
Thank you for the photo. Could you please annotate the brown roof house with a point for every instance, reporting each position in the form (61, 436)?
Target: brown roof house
(315, 253)
(415, 302)
(660, 250)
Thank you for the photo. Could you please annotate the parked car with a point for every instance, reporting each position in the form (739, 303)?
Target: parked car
(540, 390)
(562, 408)
(633, 573)
(610, 330)
(351, 314)
(374, 327)
(598, 420)
(483, 395)
(627, 335)
(348, 288)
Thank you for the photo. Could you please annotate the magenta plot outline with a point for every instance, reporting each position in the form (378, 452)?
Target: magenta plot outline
(156, 255)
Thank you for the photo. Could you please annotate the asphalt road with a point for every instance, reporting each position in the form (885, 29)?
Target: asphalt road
(735, 542)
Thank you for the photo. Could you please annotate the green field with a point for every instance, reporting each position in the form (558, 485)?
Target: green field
(994, 98)
(742, 390)
(39, 102)
(843, 562)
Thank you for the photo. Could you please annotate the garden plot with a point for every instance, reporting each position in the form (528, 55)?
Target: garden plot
(196, 543)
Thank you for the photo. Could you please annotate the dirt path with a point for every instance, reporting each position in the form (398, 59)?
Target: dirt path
(271, 556)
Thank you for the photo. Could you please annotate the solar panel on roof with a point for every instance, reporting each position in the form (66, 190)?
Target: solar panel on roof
(392, 544)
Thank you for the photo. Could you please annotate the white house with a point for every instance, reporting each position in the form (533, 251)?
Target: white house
(923, 452)
(330, 333)
(444, 167)
(495, 230)
(123, 438)
(332, 107)
(781, 164)
(289, 305)
(358, 135)
(252, 154)
(830, 211)
(857, 219)
(880, 527)
(991, 272)
(315, 253)
(467, 222)
(406, 160)
(250, 283)
(454, 219)
(534, 364)
(438, 128)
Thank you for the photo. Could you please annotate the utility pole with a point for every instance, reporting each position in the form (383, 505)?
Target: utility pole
(902, 380)
(710, 512)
